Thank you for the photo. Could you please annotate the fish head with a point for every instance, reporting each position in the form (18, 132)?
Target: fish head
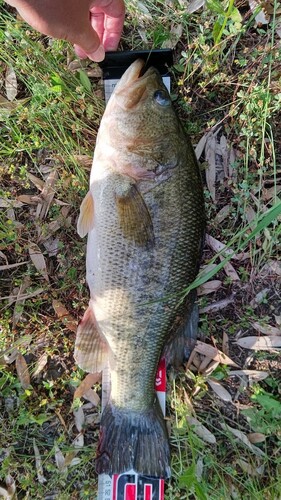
(137, 86)
(140, 119)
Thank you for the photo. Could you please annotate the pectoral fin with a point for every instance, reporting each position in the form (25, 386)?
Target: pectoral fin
(86, 217)
(134, 216)
(92, 351)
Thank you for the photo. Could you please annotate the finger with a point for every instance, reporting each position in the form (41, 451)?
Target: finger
(114, 14)
(112, 33)
(80, 52)
(88, 42)
(97, 22)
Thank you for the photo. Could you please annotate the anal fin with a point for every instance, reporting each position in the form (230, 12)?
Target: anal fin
(182, 341)
(91, 351)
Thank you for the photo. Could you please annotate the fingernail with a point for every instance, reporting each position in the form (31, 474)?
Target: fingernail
(80, 52)
(98, 55)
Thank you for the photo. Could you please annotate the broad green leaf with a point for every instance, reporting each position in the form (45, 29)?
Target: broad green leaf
(85, 81)
(235, 15)
(268, 402)
(216, 30)
(215, 6)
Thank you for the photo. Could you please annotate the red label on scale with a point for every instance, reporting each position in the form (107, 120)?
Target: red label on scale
(160, 380)
(134, 487)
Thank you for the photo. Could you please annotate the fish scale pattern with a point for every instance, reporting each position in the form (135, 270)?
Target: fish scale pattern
(135, 288)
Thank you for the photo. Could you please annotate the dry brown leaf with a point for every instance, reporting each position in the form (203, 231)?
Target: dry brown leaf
(196, 360)
(38, 260)
(230, 271)
(6, 106)
(18, 309)
(275, 266)
(13, 298)
(201, 146)
(210, 156)
(10, 491)
(250, 215)
(39, 183)
(199, 469)
(9, 356)
(62, 313)
(175, 35)
(266, 329)
(249, 468)
(195, 5)
(38, 464)
(60, 461)
(277, 319)
(222, 214)
(201, 430)
(95, 72)
(268, 194)
(28, 199)
(92, 396)
(84, 161)
(217, 246)
(256, 437)
(48, 193)
(209, 287)
(11, 83)
(204, 364)
(11, 266)
(213, 353)
(75, 65)
(243, 438)
(260, 343)
(77, 443)
(22, 371)
(220, 391)
(254, 375)
(52, 245)
(40, 365)
(210, 368)
(261, 17)
(79, 418)
(6, 203)
(217, 306)
(228, 155)
(225, 343)
(86, 384)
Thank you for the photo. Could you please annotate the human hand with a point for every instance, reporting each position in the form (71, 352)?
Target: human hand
(93, 26)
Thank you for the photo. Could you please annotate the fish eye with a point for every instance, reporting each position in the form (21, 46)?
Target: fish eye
(161, 98)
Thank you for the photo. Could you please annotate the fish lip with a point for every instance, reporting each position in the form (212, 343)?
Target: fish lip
(150, 71)
(135, 73)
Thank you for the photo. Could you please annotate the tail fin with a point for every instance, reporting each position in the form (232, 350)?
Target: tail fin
(133, 440)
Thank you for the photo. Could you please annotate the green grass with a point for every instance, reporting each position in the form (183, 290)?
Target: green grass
(226, 71)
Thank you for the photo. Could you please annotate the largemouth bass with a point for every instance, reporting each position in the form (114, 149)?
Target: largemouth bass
(144, 215)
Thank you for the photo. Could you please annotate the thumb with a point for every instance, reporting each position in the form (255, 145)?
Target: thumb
(88, 44)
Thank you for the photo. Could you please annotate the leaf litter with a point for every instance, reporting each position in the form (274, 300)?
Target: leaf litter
(11, 83)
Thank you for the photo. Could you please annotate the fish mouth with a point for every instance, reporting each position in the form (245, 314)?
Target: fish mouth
(136, 72)
(134, 85)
